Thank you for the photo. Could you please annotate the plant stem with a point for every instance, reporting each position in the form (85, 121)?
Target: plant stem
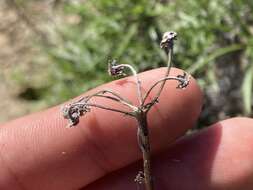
(144, 144)
(138, 82)
(183, 81)
(117, 98)
(170, 53)
(104, 107)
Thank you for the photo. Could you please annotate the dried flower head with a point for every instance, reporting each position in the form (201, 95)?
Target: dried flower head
(114, 69)
(168, 38)
(184, 82)
(72, 112)
(139, 177)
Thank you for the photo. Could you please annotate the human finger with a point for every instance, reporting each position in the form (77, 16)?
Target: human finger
(38, 152)
(217, 158)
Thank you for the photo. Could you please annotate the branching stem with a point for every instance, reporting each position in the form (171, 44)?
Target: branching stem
(183, 82)
(73, 111)
(117, 98)
(105, 108)
(170, 52)
(138, 82)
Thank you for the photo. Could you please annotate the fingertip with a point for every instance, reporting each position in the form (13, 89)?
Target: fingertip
(102, 142)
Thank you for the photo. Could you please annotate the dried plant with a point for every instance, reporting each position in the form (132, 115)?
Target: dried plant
(75, 110)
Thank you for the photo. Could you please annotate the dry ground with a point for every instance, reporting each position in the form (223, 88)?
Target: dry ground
(16, 63)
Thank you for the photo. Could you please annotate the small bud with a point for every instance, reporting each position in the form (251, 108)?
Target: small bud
(168, 38)
(114, 69)
(73, 112)
(65, 111)
(185, 82)
(139, 177)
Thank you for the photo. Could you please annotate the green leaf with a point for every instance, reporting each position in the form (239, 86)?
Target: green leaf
(217, 53)
(247, 90)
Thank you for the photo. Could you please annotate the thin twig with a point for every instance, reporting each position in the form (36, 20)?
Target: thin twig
(104, 107)
(117, 98)
(138, 82)
(166, 75)
(167, 43)
(183, 82)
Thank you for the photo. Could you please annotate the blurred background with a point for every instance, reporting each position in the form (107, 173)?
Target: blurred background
(53, 50)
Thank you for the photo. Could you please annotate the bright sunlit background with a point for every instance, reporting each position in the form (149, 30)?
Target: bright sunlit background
(53, 50)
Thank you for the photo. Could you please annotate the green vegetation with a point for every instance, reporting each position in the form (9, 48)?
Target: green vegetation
(215, 42)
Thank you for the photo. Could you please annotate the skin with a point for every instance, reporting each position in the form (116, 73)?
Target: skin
(38, 152)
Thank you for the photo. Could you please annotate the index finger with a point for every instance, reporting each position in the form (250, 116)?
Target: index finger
(38, 152)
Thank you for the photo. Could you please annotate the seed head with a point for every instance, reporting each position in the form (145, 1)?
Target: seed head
(73, 112)
(184, 82)
(114, 69)
(168, 39)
